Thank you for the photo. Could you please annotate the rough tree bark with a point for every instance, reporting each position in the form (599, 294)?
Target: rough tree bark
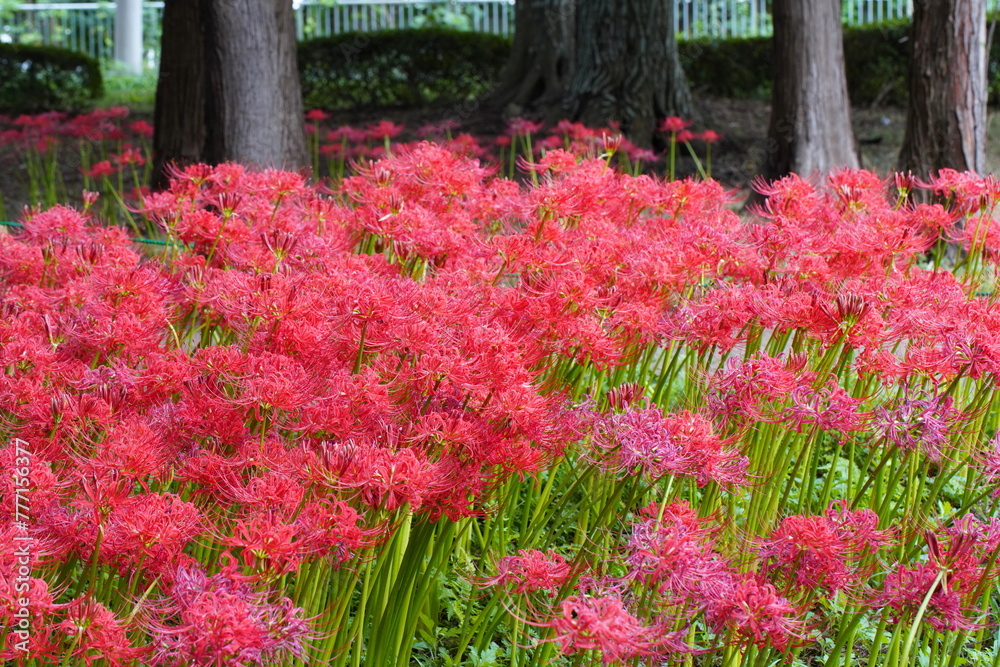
(946, 118)
(596, 61)
(542, 57)
(229, 86)
(810, 129)
(628, 67)
(255, 99)
(179, 119)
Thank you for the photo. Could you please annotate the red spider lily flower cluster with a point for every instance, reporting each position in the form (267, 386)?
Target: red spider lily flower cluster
(294, 380)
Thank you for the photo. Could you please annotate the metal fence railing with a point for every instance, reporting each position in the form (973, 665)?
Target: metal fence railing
(89, 26)
(80, 26)
(316, 19)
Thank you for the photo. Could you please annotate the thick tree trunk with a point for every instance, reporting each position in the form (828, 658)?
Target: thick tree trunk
(228, 88)
(255, 100)
(542, 58)
(810, 129)
(178, 118)
(628, 68)
(946, 120)
(596, 61)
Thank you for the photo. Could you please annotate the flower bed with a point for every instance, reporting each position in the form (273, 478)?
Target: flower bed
(436, 416)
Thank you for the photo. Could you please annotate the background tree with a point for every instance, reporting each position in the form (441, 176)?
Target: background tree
(946, 115)
(179, 115)
(241, 100)
(810, 128)
(596, 61)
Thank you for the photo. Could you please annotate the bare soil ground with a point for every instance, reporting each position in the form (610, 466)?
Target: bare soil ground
(736, 159)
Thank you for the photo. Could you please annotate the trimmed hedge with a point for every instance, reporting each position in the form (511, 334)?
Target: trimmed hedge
(47, 78)
(876, 58)
(421, 67)
(400, 68)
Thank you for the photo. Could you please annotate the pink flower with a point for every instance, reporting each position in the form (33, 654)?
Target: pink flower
(655, 444)
(755, 612)
(673, 125)
(603, 624)
(316, 115)
(531, 570)
(101, 169)
(520, 127)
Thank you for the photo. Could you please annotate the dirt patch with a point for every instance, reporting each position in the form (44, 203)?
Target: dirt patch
(736, 160)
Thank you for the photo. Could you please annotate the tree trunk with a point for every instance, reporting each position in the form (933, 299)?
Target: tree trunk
(810, 129)
(178, 118)
(542, 57)
(628, 68)
(596, 61)
(254, 96)
(946, 118)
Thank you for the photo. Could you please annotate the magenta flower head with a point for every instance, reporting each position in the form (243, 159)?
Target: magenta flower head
(823, 553)
(673, 125)
(917, 423)
(531, 570)
(218, 620)
(683, 444)
(603, 624)
(754, 611)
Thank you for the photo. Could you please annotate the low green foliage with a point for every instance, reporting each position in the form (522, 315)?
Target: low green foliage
(400, 68)
(876, 58)
(46, 78)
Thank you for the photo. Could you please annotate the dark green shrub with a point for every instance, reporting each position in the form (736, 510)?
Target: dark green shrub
(738, 68)
(400, 68)
(876, 59)
(47, 78)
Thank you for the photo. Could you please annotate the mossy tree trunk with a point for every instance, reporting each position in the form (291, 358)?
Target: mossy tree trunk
(596, 61)
(946, 117)
(810, 129)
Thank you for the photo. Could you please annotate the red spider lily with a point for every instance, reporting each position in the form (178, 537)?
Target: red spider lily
(128, 156)
(747, 388)
(911, 423)
(142, 129)
(317, 115)
(384, 130)
(655, 444)
(530, 571)
(98, 635)
(602, 623)
(685, 136)
(149, 531)
(672, 553)
(522, 127)
(268, 545)
(102, 169)
(947, 585)
(822, 552)
(990, 463)
(829, 408)
(673, 125)
(217, 620)
(710, 136)
(334, 530)
(755, 612)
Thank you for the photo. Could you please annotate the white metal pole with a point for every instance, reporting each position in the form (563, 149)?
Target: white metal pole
(128, 35)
